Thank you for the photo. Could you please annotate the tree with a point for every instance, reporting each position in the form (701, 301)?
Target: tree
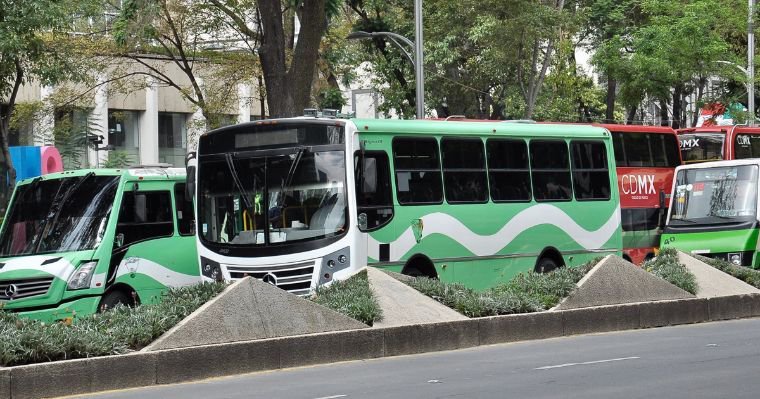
(181, 32)
(27, 29)
(288, 64)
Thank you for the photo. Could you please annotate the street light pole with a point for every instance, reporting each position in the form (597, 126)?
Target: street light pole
(751, 62)
(416, 47)
(419, 75)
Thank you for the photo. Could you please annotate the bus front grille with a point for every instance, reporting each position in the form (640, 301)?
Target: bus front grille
(294, 278)
(24, 288)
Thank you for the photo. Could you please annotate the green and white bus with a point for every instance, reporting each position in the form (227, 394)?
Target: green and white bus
(73, 243)
(300, 202)
(714, 211)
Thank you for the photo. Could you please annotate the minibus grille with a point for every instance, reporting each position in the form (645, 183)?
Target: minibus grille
(294, 278)
(17, 289)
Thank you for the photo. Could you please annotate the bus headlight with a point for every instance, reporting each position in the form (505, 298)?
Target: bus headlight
(735, 258)
(82, 276)
(332, 263)
(211, 269)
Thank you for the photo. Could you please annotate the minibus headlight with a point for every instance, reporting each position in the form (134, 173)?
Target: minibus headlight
(82, 276)
(735, 258)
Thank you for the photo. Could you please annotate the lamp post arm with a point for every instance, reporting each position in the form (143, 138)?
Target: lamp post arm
(403, 50)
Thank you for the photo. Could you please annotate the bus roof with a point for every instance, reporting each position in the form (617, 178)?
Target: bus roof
(127, 174)
(718, 164)
(719, 129)
(635, 128)
(459, 128)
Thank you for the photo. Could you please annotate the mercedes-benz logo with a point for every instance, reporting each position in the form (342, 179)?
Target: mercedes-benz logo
(11, 290)
(270, 278)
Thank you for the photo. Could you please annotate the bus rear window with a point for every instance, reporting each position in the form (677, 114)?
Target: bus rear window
(699, 147)
(649, 150)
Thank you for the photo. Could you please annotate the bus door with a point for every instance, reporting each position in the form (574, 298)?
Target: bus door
(152, 251)
(373, 197)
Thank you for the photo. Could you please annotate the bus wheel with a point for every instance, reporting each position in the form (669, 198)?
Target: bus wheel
(545, 265)
(420, 266)
(113, 299)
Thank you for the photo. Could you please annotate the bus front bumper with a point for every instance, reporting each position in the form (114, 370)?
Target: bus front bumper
(66, 311)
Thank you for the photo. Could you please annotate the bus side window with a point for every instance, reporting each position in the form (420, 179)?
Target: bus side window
(508, 170)
(185, 212)
(464, 170)
(591, 177)
(145, 215)
(550, 173)
(373, 189)
(418, 171)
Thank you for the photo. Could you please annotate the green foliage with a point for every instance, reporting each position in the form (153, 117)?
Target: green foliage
(667, 267)
(331, 98)
(527, 292)
(351, 297)
(117, 331)
(743, 273)
(118, 159)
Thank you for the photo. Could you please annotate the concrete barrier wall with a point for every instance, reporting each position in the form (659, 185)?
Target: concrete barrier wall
(188, 364)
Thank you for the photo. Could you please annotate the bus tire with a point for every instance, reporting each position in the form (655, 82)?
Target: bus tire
(113, 299)
(549, 260)
(628, 258)
(420, 266)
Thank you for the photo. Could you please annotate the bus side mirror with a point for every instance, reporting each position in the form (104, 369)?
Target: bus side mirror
(362, 221)
(190, 163)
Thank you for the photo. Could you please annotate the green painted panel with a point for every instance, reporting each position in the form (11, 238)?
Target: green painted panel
(717, 241)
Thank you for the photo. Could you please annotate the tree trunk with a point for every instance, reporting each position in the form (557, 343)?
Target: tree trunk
(631, 117)
(664, 117)
(701, 83)
(677, 103)
(289, 89)
(609, 113)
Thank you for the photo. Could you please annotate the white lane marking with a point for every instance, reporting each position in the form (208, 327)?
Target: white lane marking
(332, 397)
(586, 363)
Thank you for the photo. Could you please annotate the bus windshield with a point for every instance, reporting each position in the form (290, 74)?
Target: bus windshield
(700, 147)
(273, 199)
(716, 195)
(58, 215)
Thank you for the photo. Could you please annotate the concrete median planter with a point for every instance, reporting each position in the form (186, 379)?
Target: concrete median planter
(194, 363)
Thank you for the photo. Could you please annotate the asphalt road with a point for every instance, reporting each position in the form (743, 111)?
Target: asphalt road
(713, 360)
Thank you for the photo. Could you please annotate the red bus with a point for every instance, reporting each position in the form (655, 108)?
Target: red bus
(714, 143)
(646, 157)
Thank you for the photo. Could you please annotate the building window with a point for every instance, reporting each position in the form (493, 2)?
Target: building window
(464, 170)
(124, 134)
(591, 178)
(550, 165)
(19, 135)
(172, 138)
(418, 171)
(508, 170)
(70, 132)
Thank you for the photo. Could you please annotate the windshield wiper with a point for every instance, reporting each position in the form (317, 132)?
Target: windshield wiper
(56, 207)
(685, 220)
(289, 177)
(239, 184)
(293, 167)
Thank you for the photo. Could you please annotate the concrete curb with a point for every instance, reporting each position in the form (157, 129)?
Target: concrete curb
(187, 364)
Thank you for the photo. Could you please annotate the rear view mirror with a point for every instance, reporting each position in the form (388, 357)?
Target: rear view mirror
(190, 163)
(119, 240)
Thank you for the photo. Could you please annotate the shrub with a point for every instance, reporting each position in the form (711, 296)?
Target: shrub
(667, 267)
(117, 331)
(351, 297)
(527, 292)
(746, 274)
